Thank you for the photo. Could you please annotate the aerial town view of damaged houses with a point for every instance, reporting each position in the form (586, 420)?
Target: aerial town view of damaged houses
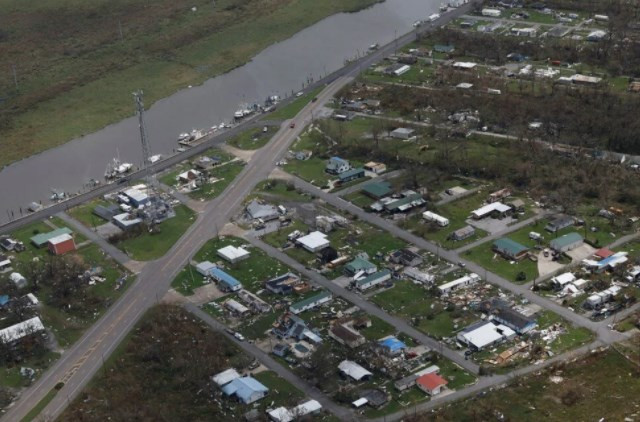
(448, 214)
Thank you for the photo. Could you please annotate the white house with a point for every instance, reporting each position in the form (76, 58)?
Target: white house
(314, 241)
(492, 13)
(233, 254)
(20, 330)
(353, 370)
(438, 219)
(487, 210)
(461, 282)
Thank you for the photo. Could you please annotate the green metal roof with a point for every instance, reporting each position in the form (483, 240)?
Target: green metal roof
(42, 238)
(566, 240)
(378, 190)
(351, 173)
(359, 264)
(312, 299)
(511, 247)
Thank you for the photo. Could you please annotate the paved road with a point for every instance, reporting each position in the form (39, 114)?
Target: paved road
(452, 256)
(78, 364)
(339, 411)
(504, 232)
(400, 324)
(120, 257)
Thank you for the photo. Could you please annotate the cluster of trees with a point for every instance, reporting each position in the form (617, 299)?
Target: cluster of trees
(594, 118)
(612, 54)
(163, 373)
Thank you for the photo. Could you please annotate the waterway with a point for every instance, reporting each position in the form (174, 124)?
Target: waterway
(280, 69)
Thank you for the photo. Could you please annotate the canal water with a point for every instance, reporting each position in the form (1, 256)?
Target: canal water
(280, 69)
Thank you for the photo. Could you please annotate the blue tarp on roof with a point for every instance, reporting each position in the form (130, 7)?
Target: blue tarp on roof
(244, 388)
(223, 277)
(392, 343)
(4, 299)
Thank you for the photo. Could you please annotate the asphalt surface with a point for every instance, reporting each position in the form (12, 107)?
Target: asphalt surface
(78, 364)
(452, 256)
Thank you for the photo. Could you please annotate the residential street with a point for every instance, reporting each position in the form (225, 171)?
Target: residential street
(367, 306)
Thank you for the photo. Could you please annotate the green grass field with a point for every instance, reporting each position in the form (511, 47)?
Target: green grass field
(290, 110)
(254, 138)
(78, 62)
(577, 397)
(149, 246)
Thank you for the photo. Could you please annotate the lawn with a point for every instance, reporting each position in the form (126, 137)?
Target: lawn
(457, 212)
(311, 170)
(415, 304)
(225, 174)
(254, 138)
(484, 256)
(70, 55)
(280, 190)
(359, 199)
(290, 110)
(280, 390)
(149, 246)
(576, 397)
(574, 336)
(84, 213)
(251, 272)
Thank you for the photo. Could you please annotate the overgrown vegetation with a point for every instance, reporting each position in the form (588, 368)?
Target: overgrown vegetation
(162, 373)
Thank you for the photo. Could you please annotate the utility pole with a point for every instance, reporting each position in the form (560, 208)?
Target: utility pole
(146, 148)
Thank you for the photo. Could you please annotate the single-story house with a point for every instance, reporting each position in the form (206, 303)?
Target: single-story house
(337, 165)
(402, 133)
(314, 241)
(189, 175)
(436, 218)
(280, 349)
(345, 334)
(226, 281)
(397, 69)
(22, 329)
(559, 281)
(567, 242)
(225, 377)
(236, 307)
(558, 223)
(246, 389)
(461, 282)
(349, 175)
(206, 163)
(494, 209)
(408, 200)
(510, 249)
(18, 280)
(373, 280)
(514, 320)
(107, 212)
(608, 263)
(406, 257)
(359, 265)
(431, 384)
(353, 370)
(484, 334)
(233, 254)
(311, 302)
(344, 115)
(204, 268)
(463, 233)
(283, 284)
(42, 239)
(5, 263)
(420, 276)
(281, 414)
(377, 190)
(62, 244)
(264, 212)
(392, 346)
(137, 198)
(126, 221)
(376, 168)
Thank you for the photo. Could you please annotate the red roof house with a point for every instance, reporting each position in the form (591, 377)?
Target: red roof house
(61, 244)
(603, 253)
(431, 383)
